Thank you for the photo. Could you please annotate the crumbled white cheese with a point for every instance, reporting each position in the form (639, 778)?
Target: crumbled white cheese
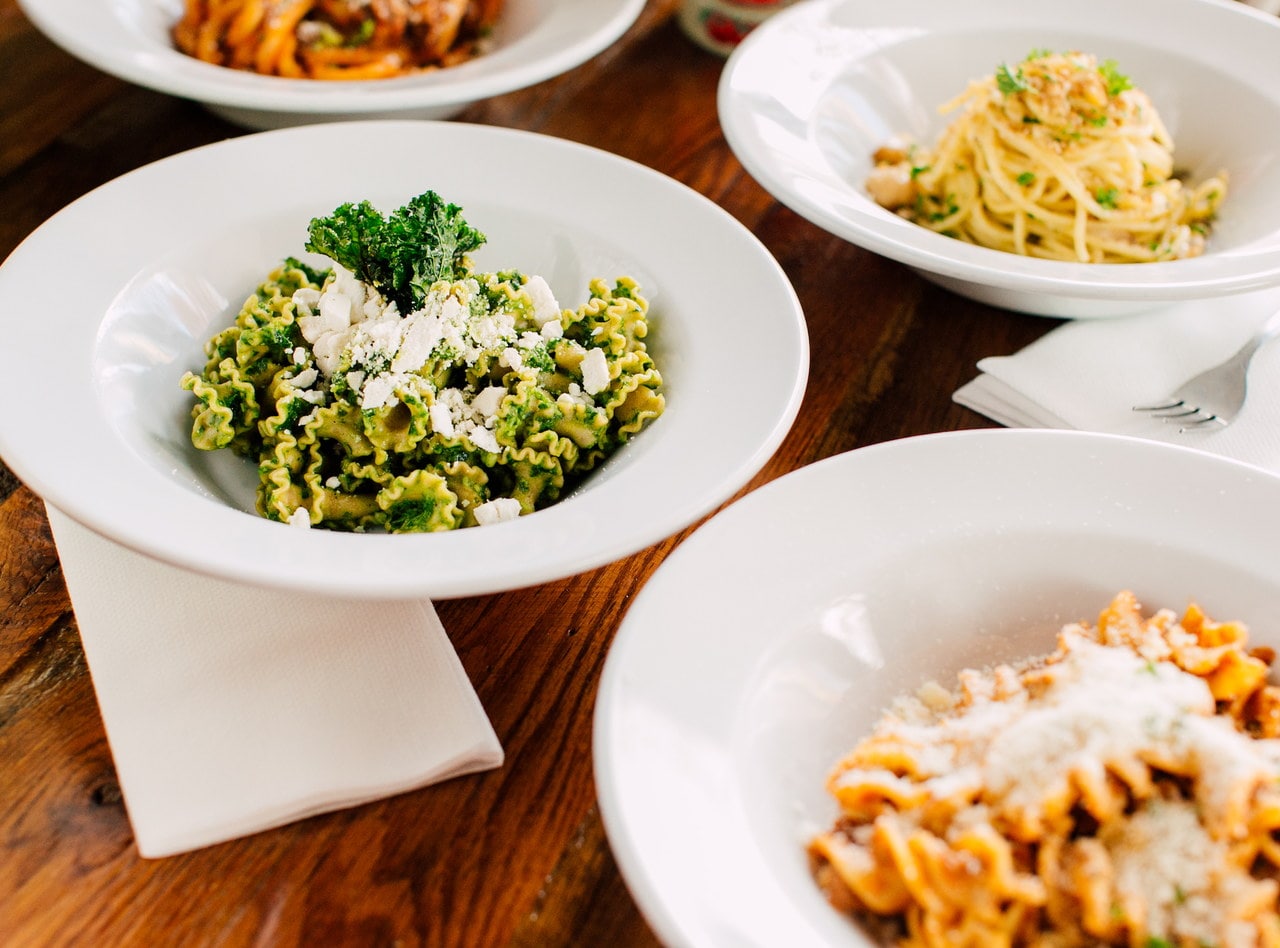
(306, 378)
(511, 359)
(545, 307)
(300, 518)
(353, 329)
(595, 371)
(441, 420)
(485, 440)
(498, 510)
(574, 396)
(379, 391)
(487, 402)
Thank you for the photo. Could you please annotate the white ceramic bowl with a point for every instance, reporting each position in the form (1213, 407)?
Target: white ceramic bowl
(534, 40)
(811, 93)
(725, 699)
(112, 299)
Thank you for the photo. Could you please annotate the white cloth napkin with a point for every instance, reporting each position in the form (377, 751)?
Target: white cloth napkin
(232, 709)
(1089, 374)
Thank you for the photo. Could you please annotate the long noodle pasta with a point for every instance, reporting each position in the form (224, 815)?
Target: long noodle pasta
(1119, 791)
(335, 39)
(1057, 157)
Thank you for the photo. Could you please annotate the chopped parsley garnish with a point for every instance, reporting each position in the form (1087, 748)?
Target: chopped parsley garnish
(1155, 941)
(1117, 81)
(1098, 121)
(1026, 178)
(917, 170)
(1010, 82)
(401, 255)
(1108, 198)
(1030, 120)
(1038, 53)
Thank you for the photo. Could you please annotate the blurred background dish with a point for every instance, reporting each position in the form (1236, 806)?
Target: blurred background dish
(810, 94)
(720, 25)
(771, 640)
(534, 40)
(167, 254)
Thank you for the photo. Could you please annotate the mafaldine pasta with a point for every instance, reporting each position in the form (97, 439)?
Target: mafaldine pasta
(1122, 790)
(483, 400)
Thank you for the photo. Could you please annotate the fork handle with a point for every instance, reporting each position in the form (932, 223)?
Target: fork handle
(1267, 331)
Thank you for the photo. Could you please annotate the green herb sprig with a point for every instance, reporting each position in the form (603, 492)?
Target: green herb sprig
(402, 255)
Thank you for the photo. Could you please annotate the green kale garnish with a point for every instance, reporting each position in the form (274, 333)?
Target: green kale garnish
(402, 255)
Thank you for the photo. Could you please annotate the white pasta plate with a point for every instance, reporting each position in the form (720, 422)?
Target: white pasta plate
(533, 41)
(815, 90)
(769, 642)
(111, 300)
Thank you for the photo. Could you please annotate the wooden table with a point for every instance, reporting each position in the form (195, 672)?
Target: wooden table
(516, 856)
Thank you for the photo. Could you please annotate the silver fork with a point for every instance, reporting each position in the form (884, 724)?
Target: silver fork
(1216, 395)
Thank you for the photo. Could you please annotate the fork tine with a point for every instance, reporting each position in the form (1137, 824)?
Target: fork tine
(1200, 424)
(1186, 413)
(1163, 406)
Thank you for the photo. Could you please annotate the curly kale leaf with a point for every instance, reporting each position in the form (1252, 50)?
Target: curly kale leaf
(402, 255)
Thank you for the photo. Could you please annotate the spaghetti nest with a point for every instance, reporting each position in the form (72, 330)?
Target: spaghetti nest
(335, 39)
(1058, 157)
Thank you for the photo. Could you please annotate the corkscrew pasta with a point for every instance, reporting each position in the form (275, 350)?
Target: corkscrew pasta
(335, 39)
(1119, 791)
(1057, 157)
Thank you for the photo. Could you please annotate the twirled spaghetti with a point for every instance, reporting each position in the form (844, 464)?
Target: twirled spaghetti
(1120, 791)
(1057, 157)
(335, 39)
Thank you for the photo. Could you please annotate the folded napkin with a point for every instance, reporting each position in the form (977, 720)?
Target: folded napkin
(232, 709)
(1088, 374)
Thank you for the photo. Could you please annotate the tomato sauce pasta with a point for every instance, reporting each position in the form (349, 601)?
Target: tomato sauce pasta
(335, 39)
(1119, 791)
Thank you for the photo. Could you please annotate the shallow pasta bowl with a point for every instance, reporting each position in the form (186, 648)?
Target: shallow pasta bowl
(771, 640)
(815, 90)
(165, 256)
(534, 40)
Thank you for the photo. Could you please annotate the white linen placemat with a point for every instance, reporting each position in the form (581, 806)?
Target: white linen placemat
(231, 709)
(1088, 374)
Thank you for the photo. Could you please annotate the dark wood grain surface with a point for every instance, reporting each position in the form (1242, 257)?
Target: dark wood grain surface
(516, 856)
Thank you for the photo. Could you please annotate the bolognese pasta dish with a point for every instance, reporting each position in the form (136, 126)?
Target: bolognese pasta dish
(1122, 790)
(335, 39)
